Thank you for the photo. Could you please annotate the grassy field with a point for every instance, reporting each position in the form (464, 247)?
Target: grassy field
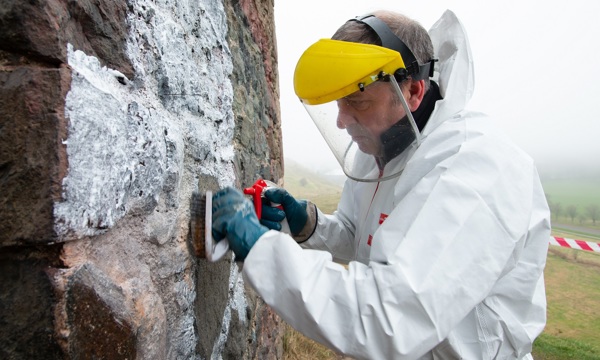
(572, 277)
(573, 295)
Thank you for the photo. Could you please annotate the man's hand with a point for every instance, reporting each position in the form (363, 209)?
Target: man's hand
(301, 214)
(234, 217)
(271, 216)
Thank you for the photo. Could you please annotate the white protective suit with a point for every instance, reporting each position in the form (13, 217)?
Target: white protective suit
(446, 260)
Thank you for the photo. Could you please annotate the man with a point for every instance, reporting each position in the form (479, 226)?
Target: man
(443, 221)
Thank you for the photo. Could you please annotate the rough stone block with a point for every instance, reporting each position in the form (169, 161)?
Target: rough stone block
(40, 29)
(32, 157)
(100, 323)
(27, 306)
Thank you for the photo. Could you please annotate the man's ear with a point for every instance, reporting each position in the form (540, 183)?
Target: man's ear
(417, 92)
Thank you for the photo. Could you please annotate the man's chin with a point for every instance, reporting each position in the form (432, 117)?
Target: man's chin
(366, 147)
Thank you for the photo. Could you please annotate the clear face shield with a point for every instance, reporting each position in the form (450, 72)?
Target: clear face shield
(350, 93)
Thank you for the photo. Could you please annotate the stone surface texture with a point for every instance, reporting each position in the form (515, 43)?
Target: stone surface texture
(112, 114)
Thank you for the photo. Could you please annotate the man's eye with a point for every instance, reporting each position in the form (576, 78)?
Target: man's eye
(358, 104)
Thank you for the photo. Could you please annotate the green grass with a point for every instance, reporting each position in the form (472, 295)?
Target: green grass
(549, 347)
(572, 277)
(573, 294)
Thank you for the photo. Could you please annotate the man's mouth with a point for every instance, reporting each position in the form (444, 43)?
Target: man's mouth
(359, 138)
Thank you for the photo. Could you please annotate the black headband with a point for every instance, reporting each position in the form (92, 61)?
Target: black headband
(391, 41)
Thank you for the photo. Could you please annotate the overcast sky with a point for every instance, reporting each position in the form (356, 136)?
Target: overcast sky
(536, 70)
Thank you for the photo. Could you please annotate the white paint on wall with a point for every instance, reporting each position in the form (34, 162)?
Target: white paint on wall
(137, 145)
(115, 148)
(130, 140)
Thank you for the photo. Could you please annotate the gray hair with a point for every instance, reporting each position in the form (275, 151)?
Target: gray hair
(408, 30)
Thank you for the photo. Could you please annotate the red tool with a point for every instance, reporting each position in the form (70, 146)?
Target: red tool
(256, 192)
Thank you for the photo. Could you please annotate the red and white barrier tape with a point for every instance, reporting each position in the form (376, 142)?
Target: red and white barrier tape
(575, 244)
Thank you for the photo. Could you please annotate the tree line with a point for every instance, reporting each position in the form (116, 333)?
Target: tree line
(574, 213)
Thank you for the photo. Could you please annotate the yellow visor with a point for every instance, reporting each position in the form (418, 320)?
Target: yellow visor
(331, 69)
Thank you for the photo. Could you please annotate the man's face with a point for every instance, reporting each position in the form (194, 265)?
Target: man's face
(366, 115)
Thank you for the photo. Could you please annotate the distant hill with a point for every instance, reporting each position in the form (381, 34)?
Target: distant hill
(304, 183)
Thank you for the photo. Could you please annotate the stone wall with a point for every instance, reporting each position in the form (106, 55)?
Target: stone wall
(112, 113)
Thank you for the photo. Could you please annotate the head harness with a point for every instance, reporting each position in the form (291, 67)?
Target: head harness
(391, 41)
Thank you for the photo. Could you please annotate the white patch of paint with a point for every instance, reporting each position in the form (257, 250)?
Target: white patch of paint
(132, 146)
(127, 143)
(115, 150)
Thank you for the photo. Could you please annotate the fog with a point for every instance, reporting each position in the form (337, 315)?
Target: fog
(536, 73)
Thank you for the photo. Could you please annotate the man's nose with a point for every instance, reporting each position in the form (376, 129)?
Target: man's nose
(345, 116)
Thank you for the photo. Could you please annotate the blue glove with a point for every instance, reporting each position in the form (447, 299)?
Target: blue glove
(271, 216)
(234, 217)
(301, 214)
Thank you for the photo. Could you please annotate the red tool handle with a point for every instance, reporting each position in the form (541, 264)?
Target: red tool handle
(256, 192)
